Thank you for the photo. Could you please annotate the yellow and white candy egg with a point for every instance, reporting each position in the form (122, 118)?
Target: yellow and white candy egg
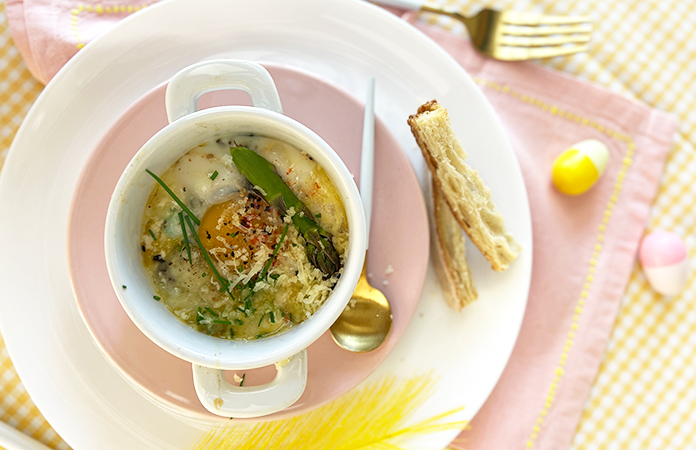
(579, 167)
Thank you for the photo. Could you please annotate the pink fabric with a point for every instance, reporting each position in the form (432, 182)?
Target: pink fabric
(46, 36)
(565, 231)
(565, 228)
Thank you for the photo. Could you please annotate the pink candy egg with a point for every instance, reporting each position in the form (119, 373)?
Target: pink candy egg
(664, 259)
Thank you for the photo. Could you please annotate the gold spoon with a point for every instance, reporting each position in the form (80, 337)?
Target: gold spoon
(367, 319)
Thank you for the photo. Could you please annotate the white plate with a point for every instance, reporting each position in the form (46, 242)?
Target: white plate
(88, 403)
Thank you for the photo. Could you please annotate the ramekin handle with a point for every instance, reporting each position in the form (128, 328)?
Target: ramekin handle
(187, 86)
(223, 398)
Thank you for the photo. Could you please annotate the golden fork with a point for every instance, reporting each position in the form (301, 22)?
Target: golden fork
(514, 35)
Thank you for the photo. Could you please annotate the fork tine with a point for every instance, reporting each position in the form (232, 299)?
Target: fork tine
(528, 18)
(520, 53)
(515, 30)
(539, 41)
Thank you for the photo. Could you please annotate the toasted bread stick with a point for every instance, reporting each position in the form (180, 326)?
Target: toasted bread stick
(462, 188)
(449, 254)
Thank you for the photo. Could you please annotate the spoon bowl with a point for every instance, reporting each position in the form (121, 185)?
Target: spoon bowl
(367, 319)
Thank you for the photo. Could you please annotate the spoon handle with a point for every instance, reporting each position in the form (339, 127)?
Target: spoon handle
(367, 158)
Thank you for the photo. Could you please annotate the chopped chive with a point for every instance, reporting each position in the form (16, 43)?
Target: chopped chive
(222, 281)
(282, 313)
(199, 316)
(212, 313)
(259, 336)
(261, 320)
(157, 298)
(318, 216)
(222, 322)
(124, 286)
(214, 175)
(152, 234)
(239, 322)
(179, 247)
(243, 312)
(235, 234)
(242, 381)
(231, 333)
(247, 299)
(275, 251)
(174, 197)
(291, 319)
(204, 274)
(272, 317)
(275, 276)
(186, 241)
(294, 245)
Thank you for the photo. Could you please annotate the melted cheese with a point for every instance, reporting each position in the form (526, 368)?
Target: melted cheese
(290, 290)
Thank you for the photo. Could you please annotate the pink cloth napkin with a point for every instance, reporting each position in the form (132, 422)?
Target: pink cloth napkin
(584, 247)
(49, 32)
(581, 264)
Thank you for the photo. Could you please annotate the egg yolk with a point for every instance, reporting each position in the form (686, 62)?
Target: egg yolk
(236, 229)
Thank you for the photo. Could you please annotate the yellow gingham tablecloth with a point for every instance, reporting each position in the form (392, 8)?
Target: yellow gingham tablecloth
(643, 397)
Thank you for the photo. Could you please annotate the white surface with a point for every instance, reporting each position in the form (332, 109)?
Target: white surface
(414, 5)
(13, 439)
(345, 41)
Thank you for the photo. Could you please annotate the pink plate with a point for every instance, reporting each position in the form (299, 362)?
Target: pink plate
(399, 238)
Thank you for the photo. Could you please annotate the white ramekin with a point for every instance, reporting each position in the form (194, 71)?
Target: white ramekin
(187, 129)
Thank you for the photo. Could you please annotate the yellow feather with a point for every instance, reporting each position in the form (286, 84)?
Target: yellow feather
(373, 417)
